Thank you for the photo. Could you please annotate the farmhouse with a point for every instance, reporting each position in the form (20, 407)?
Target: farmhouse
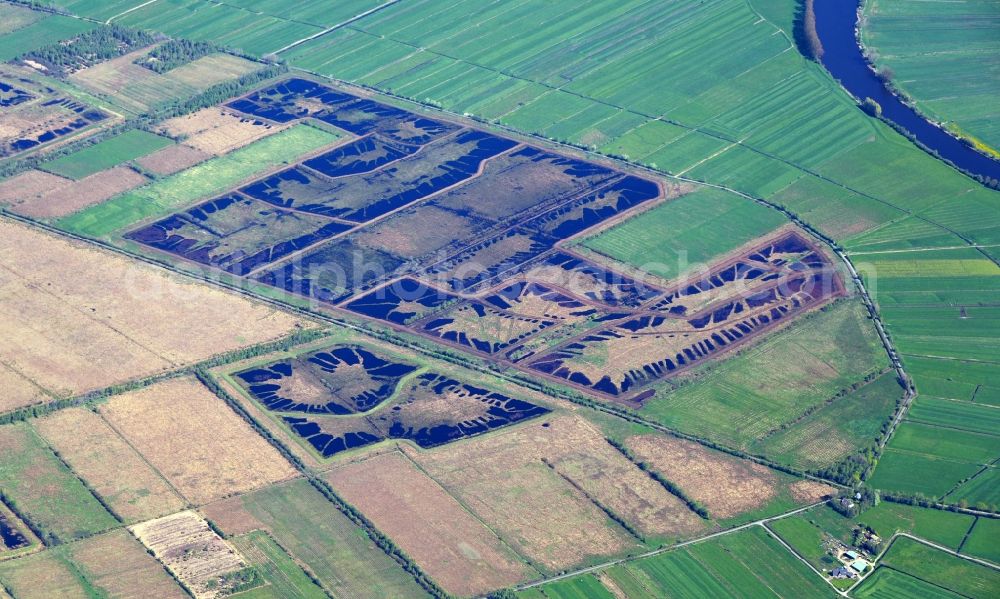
(842, 572)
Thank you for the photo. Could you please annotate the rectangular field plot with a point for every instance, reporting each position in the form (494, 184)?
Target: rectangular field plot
(216, 131)
(196, 555)
(42, 576)
(303, 522)
(203, 180)
(235, 233)
(203, 448)
(45, 491)
(452, 546)
(39, 194)
(108, 464)
(703, 226)
(283, 577)
(748, 563)
(939, 569)
(546, 490)
(107, 153)
(136, 89)
(834, 431)
(777, 380)
(118, 565)
(77, 337)
(726, 486)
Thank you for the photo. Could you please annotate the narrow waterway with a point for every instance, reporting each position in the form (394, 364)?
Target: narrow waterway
(835, 22)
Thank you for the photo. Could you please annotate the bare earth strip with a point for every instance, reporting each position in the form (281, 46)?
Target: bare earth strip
(172, 159)
(77, 195)
(112, 468)
(216, 131)
(191, 550)
(195, 440)
(454, 548)
(74, 318)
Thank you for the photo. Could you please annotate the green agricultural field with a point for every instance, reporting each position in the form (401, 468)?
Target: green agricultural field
(919, 473)
(938, 526)
(975, 448)
(939, 52)
(42, 490)
(983, 490)
(719, 74)
(886, 583)
(681, 234)
(13, 17)
(750, 396)
(941, 569)
(982, 541)
(835, 431)
(40, 33)
(806, 539)
(110, 152)
(955, 414)
(200, 181)
(337, 552)
(951, 379)
(234, 26)
(749, 563)
(285, 578)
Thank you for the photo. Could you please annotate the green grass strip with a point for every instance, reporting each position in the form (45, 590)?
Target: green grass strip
(108, 153)
(208, 178)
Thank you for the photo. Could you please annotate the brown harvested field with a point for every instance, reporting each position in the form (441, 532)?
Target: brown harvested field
(71, 196)
(61, 329)
(726, 485)
(98, 455)
(30, 186)
(202, 447)
(41, 576)
(503, 480)
(809, 491)
(192, 551)
(18, 391)
(216, 131)
(172, 159)
(452, 546)
(118, 564)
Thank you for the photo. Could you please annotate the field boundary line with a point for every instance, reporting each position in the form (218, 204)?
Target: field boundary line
(125, 12)
(356, 17)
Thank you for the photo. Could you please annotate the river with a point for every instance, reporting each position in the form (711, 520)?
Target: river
(842, 56)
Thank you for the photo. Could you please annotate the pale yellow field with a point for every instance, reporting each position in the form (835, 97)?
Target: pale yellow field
(464, 556)
(74, 318)
(102, 458)
(196, 441)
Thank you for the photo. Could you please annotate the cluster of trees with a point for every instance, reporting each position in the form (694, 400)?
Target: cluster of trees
(175, 53)
(854, 501)
(806, 36)
(103, 43)
(920, 500)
